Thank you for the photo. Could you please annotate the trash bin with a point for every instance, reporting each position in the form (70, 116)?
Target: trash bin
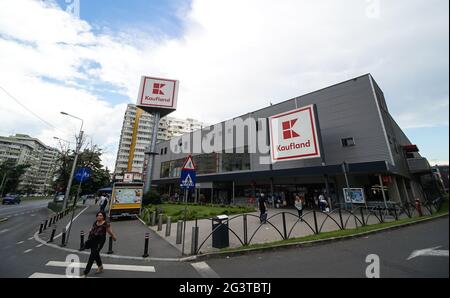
(220, 236)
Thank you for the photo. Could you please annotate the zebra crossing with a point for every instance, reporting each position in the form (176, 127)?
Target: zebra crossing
(73, 269)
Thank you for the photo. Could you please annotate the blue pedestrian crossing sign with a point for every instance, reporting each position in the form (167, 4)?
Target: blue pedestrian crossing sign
(83, 174)
(188, 174)
(188, 179)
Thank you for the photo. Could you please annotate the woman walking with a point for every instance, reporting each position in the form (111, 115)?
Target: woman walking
(96, 240)
(299, 206)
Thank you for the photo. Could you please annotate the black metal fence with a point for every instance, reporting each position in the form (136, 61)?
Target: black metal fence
(340, 217)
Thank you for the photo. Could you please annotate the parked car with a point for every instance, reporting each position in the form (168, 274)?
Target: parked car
(59, 198)
(11, 199)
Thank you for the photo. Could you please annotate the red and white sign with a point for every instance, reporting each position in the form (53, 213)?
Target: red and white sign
(189, 164)
(293, 135)
(128, 177)
(158, 93)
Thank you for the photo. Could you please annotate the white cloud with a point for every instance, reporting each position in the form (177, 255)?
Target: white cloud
(234, 57)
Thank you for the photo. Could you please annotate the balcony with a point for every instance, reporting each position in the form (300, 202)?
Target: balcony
(418, 165)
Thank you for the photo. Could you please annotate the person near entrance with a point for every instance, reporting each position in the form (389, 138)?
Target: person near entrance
(299, 206)
(262, 201)
(322, 203)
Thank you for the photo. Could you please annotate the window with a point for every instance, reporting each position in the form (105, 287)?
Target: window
(409, 155)
(165, 150)
(162, 151)
(348, 142)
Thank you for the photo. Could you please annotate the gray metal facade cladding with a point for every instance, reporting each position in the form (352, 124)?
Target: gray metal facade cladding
(352, 109)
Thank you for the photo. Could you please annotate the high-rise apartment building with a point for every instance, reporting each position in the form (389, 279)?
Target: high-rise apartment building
(42, 161)
(135, 137)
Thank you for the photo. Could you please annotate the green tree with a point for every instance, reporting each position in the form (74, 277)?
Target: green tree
(10, 174)
(89, 158)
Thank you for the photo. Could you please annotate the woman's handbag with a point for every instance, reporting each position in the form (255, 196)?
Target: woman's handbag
(88, 244)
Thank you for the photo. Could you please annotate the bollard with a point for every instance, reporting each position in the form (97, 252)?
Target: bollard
(194, 241)
(179, 231)
(41, 227)
(147, 236)
(52, 235)
(63, 238)
(168, 226)
(153, 218)
(160, 222)
(45, 225)
(81, 241)
(50, 222)
(110, 246)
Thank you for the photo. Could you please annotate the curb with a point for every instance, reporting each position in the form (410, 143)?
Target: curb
(3, 219)
(310, 243)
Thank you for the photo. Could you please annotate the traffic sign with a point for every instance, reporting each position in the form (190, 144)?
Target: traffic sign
(188, 179)
(189, 164)
(83, 174)
(188, 174)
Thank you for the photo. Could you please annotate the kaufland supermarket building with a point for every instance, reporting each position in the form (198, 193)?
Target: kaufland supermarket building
(358, 140)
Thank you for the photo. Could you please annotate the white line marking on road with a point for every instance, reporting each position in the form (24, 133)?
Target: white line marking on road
(31, 238)
(67, 226)
(204, 270)
(39, 245)
(27, 251)
(33, 215)
(48, 275)
(105, 266)
(20, 242)
(428, 252)
(4, 231)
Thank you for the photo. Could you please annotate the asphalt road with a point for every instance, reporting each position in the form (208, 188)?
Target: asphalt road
(22, 256)
(8, 211)
(347, 259)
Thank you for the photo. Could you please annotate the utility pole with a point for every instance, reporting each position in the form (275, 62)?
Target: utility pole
(77, 151)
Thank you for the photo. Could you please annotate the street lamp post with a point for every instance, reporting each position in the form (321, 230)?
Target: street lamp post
(77, 151)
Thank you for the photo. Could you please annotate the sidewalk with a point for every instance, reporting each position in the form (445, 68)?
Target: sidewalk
(263, 233)
(130, 235)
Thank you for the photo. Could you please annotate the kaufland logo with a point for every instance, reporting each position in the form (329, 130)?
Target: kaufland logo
(157, 88)
(288, 132)
(158, 93)
(293, 135)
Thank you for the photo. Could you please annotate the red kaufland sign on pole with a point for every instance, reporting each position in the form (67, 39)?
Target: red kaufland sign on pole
(157, 94)
(293, 135)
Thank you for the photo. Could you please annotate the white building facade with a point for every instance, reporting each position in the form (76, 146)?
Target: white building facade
(42, 160)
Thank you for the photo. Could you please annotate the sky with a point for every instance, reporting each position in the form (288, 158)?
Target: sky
(231, 57)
